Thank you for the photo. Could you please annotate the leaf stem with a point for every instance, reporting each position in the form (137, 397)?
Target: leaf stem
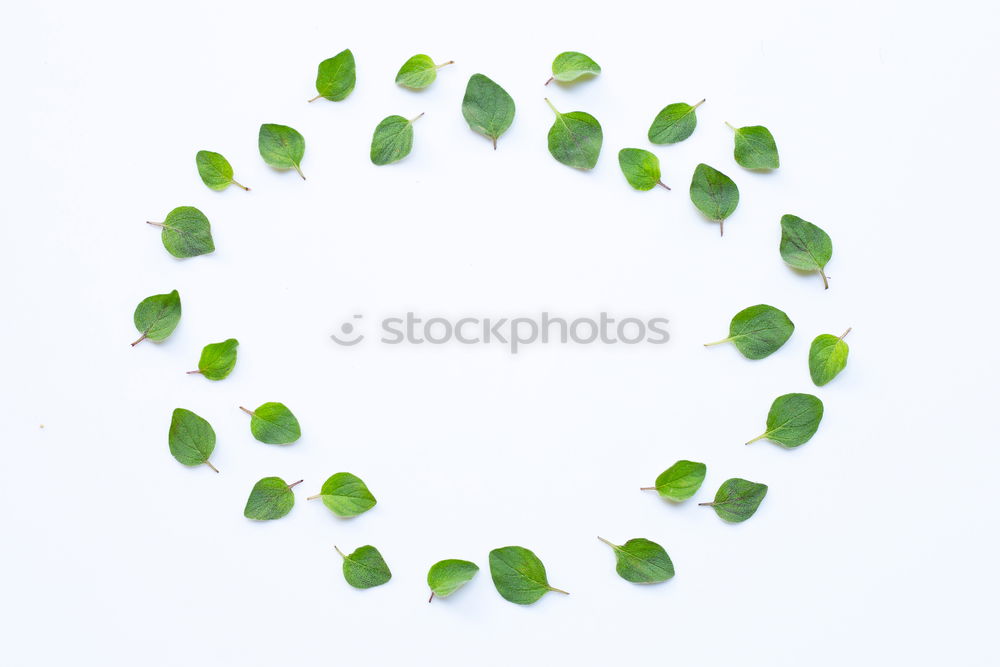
(826, 283)
(845, 333)
(609, 543)
(419, 116)
(706, 504)
(249, 412)
(695, 106)
(155, 224)
(340, 552)
(719, 342)
(551, 79)
(554, 110)
(647, 488)
(759, 437)
(431, 598)
(294, 484)
(662, 184)
(558, 590)
(314, 99)
(494, 142)
(450, 62)
(139, 340)
(314, 497)
(238, 184)
(209, 464)
(299, 171)
(192, 372)
(721, 223)
(729, 126)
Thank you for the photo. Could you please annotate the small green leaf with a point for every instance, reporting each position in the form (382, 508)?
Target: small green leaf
(680, 481)
(714, 193)
(487, 107)
(758, 331)
(641, 168)
(215, 171)
(191, 438)
(274, 424)
(392, 140)
(186, 232)
(270, 499)
(336, 77)
(827, 357)
(365, 567)
(157, 316)
(804, 246)
(737, 499)
(217, 359)
(575, 138)
(642, 561)
(419, 72)
(519, 575)
(281, 147)
(792, 420)
(755, 147)
(447, 576)
(345, 495)
(571, 65)
(674, 123)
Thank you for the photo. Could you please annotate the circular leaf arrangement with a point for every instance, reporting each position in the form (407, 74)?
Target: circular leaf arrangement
(575, 139)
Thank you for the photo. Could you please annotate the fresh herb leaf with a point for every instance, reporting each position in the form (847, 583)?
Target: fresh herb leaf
(281, 147)
(447, 576)
(519, 575)
(714, 193)
(217, 359)
(487, 107)
(191, 438)
(641, 168)
(270, 499)
(575, 138)
(758, 331)
(419, 72)
(336, 77)
(215, 171)
(186, 232)
(737, 499)
(365, 567)
(641, 561)
(827, 357)
(571, 65)
(674, 123)
(755, 147)
(792, 420)
(274, 424)
(345, 495)
(680, 481)
(804, 246)
(157, 316)
(392, 140)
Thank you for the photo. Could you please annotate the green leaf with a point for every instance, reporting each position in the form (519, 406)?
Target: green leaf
(575, 138)
(186, 232)
(392, 140)
(737, 499)
(419, 72)
(571, 65)
(641, 561)
(487, 107)
(641, 168)
(345, 495)
(447, 576)
(680, 481)
(714, 193)
(365, 567)
(157, 316)
(804, 246)
(217, 359)
(191, 438)
(215, 171)
(519, 575)
(792, 420)
(674, 123)
(270, 499)
(274, 424)
(827, 357)
(336, 77)
(758, 331)
(755, 147)
(281, 147)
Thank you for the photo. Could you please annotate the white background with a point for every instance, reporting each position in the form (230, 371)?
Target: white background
(877, 540)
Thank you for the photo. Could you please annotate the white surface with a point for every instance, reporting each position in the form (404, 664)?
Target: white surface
(876, 543)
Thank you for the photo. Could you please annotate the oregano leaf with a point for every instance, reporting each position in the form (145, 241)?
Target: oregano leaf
(792, 420)
(186, 232)
(336, 77)
(217, 359)
(447, 576)
(804, 246)
(755, 147)
(365, 567)
(758, 331)
(273, 424)
(641, 561)
(575, 138)
(393, 140)
(282, 147)
(271, 498)
(827, 357)
(571, 65)
(674, 123)
(191, 438)
(519, 575)
(345, 495)
(215, 171)
(714, 194)
(157, 316)
(641, 168)
(680, 481)
(487, 108)
(419, 72)
(737, 499)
